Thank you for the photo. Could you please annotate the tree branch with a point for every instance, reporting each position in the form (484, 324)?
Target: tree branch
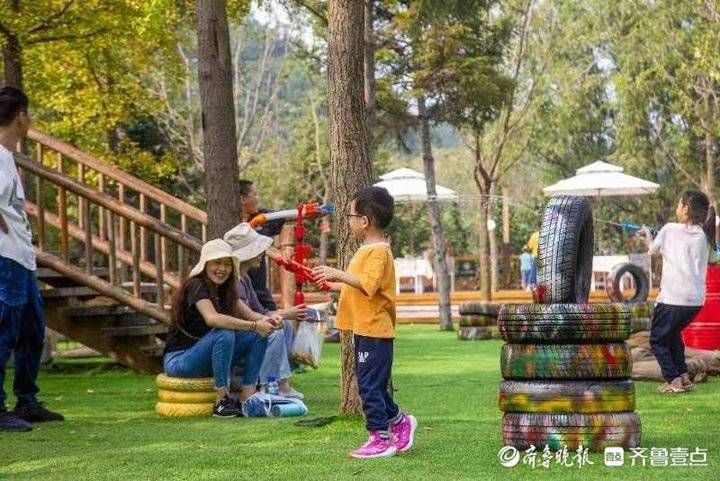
(69, 37)
(314, 11)
(47, 23)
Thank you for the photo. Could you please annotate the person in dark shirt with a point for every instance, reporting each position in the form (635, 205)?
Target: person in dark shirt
(276, 364)
(250, 206)
(213, 330)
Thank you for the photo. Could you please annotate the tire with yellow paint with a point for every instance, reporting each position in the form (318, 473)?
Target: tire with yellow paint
(185, 384)
(178, 410)
(567, 396)
(178, 397)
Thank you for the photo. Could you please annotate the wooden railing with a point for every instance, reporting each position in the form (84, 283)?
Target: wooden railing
(87, 225)
(127, 190)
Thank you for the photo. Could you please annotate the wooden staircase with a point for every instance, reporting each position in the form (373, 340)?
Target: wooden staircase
(111, 249)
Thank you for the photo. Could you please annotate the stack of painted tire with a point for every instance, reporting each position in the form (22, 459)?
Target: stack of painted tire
(180, 397)
(704, 331)
(478, 321)
(565, 366)
(640, 316)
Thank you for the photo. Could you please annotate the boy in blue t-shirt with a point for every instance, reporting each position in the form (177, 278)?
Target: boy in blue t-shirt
(527, 264)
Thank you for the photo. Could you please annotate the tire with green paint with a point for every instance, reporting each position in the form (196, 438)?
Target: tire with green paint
(479, 308)
(565, 361)
(567, 396)
(640, 324)
(594, 431)
(565, 251)
(185, 384)
(564, 323)
(477, 320)
(475, 333)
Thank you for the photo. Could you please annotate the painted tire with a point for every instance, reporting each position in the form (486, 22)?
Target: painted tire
(185, 384)
(479, 308)
(177, 410)
(639, 325)
(186, 397)
(477, 320)
(639, 276)
(641, 309)
(476, 333)
(564, 323)
(566, 361)
(567, 396)
(565, 251)
(594, 431)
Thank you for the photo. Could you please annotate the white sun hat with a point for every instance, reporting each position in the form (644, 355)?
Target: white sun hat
(245, 243)
(213, 250)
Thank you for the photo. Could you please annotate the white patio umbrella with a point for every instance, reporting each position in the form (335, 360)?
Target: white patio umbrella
(601, 179)
(407, 185)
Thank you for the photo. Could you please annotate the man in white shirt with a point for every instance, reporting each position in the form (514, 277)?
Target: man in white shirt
(22, 321)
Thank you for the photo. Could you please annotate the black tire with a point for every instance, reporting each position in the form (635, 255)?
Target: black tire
(594, 431)
(567, 396)
(564, 323)
(641, 282)
(475, 333)
(468, 320)
(565, 361)
(479, 309)
(565, 251)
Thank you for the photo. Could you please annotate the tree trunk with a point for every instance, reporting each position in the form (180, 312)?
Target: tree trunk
(441, 267)
(369, 66)
(350, 168)
(218, 117)
(492, 234)
(12, 62)
(485, 282)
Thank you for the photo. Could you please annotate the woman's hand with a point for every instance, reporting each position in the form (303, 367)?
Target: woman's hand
(264, 327)
(276, 319)
(327, 274)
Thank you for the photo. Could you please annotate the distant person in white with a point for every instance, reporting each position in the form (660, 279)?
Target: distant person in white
(22, 321)
(686, 246)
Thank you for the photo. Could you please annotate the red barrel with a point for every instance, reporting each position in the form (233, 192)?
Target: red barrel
(704, 331)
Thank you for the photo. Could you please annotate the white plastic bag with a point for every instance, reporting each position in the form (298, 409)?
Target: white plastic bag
(307, 346)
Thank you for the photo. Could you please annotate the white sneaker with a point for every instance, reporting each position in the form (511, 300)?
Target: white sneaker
(292, 393)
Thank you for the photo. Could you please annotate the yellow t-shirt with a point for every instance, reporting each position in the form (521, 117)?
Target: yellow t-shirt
(371, 315)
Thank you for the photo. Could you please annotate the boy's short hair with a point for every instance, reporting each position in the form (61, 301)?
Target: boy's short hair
(245, 186)
(12, 101)
(376, 204)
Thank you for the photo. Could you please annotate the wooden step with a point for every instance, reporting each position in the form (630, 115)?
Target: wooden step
(148, 329)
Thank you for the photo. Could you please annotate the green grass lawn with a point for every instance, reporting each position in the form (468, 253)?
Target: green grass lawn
(112, 433)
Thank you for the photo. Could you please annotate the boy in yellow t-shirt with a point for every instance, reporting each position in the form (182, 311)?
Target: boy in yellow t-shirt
(367, 307)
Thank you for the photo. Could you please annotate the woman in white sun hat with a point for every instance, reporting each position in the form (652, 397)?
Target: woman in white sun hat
(213, 331)
(248, 247)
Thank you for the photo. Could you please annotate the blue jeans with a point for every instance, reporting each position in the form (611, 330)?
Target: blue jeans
(277, 355)
(373, 363)
(22, 330)
(216, 353)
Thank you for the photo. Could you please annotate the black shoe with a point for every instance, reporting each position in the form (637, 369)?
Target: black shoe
(36, 413)
(10, 422)
(226, 408)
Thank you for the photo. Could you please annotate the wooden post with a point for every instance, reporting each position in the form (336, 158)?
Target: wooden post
(40, 201)
(135, 246)
(112, 254)
(143, 231)
(101, 211)
(88, 238)
(62, 213)
(159, 277)
(287, 279)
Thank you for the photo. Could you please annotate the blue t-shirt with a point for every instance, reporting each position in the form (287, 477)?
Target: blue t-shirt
(526, 261)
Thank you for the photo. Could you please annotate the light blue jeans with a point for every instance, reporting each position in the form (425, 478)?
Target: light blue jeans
(216, 353)
(277, 356)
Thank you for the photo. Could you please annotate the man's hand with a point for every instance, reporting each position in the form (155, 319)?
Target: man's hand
(264, 327)
(298, 312)
(275, 319)
(327, 274)
(3, 226)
